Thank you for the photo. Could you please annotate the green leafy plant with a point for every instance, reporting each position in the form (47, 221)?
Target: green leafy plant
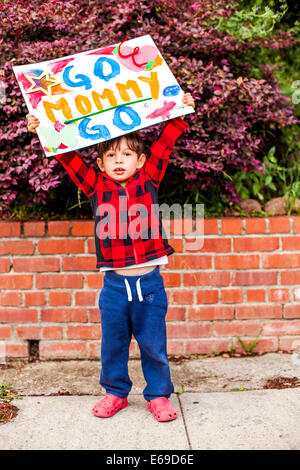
(275, 179)
(7, 393)
(259, 21)
(181, 389)
(249, 348)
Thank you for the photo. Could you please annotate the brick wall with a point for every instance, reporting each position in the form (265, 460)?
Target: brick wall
(245, 280)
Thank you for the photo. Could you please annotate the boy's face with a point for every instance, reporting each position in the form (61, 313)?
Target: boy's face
(121, 163)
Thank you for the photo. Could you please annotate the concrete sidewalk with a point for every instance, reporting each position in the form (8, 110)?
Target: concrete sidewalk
(55, 412)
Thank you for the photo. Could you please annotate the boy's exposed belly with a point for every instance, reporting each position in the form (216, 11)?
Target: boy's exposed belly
(135, 271)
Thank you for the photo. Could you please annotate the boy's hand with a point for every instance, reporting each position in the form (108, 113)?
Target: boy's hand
(188, 100)
(32, 123)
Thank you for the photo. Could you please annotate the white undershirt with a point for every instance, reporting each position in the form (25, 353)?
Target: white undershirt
(161, 260)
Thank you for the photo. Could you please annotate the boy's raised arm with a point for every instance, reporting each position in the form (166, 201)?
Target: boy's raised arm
(160, 150)
(83, 176)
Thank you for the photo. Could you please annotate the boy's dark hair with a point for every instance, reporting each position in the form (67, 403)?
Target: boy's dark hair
(134, 142)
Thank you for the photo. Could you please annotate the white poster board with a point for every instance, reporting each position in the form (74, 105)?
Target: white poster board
(97, 95)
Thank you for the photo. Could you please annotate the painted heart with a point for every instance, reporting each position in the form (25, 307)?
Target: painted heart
(145, 54)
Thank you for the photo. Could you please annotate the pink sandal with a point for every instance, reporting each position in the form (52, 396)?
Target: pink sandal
(109, 406)
(162, 409)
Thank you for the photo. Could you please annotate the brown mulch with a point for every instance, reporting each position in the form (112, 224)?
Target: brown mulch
(282, 382)
(7, 412)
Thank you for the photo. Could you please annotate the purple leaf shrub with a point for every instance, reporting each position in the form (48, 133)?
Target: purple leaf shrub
(234, 112)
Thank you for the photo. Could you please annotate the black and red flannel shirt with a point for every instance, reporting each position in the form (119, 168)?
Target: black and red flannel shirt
(121, 239)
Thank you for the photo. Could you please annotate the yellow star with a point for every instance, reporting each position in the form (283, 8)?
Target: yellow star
(42, 83)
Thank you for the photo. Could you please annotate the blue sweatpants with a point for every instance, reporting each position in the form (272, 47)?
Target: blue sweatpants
(134, 305)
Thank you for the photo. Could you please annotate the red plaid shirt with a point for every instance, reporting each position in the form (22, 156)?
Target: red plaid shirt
(123, 238)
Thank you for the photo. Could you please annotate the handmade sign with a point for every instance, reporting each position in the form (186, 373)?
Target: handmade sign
(97, 95)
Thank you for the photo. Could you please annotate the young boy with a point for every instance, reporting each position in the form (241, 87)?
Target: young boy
(133, 298)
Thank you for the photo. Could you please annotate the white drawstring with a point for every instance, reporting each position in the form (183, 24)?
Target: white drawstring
(139, 291)
(129, 295)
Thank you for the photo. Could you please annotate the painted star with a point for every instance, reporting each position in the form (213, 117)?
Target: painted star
(42, 83)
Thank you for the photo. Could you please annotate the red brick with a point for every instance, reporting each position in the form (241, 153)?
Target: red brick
(181, 226)
(284, 260)
(210, 226)
(290, 343)
(18, 315)
(205, 296)
(94, 349)
(177, 244)
(258, 311)
(279, 295)
(207, 346)
(79, 263)
(10, 229)
(35, 264)
(16, 247)
(281, 328)
(52, 332)
(216, 245)
(206, 279)
(35, 298)
(291, 243)
(183, 296)
(59, 298)
(291, 310)
(83, 228)
(188, 330)
(58, 228)
(84, 332)
(175, 347)
(296, 294)
(29, 332)
(279, 224)
(4, 265)
(91, 245)
(14, 350)
(296, 224)
(94, 315)
(209, 312)
(254, 278)
(256, 225)
(236, 328)
(236, 261)
(256, 295)
(18, 281)
(5, 332)
(64, 315)
(94, 281)
(11, 298)
(171, 279)
(190, 262)
(85, 298)
(34, 229)
(60, 246)
(62, 349)
(62, 281)
(231, 226)
(290, 277)
(194, 243)
(256, 243)
(175, 314)
(231, 295)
